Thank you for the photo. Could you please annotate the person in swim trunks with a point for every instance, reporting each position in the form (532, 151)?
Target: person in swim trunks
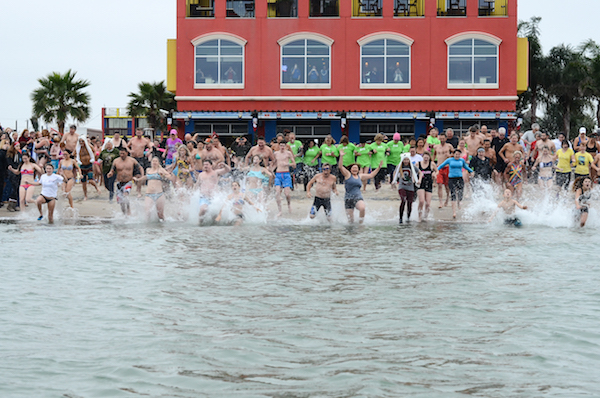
(284, 158)
(154, 176)
(125, 167)
(326, 184)
(137, 147)
(207, 182)
(50, 183)
(508, 205)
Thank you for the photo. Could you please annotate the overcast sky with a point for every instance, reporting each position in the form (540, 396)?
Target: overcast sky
(115, 44)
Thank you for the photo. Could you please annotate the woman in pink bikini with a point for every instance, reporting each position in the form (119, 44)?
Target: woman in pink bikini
(27, 171)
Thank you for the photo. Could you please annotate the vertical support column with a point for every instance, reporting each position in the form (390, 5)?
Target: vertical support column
(303, 8)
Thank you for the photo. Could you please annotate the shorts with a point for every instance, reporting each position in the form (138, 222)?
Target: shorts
(350, 203)
(325, 203)
(87, 172)
(584, 209)
(123, 189)
(512, 220)
(143, 162)
(563, 179)
(47, 199)
(457, 186)
(442, 176)
(545, 178)
(427, 184)
(406, 196)
(204, 201)
(581, 175)
(283, 179)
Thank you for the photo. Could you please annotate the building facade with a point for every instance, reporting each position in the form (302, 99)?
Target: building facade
(118, 120)
(354, 67)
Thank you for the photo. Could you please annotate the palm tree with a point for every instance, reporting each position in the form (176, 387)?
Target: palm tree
(537, 68)
(61, 97)
(152, 101)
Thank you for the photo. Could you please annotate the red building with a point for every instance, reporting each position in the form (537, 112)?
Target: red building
(322, 67)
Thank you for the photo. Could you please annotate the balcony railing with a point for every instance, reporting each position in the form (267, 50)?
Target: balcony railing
(409, 8)
(493, 8)
(282, 8)
(366, 8)
(240, 8)
(324, 8)
(452, 8)
(200, 8)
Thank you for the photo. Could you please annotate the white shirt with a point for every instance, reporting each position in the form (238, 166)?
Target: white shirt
(416, 158)
(50, 185)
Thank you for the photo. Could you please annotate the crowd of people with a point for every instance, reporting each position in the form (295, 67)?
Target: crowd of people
(174, 169)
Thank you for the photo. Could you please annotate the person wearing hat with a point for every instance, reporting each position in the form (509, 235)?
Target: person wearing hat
(482, 167)
(172, 143)
(581, 140)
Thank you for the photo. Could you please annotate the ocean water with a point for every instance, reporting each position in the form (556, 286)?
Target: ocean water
(96, 308)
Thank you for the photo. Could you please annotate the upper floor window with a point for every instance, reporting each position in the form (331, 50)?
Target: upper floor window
(495, 8)
(385, 61)
(366, 8)
(456, 8)
(324, 8)
(282, 8)
(200, 8)
(409, 8)
(473, 61)
(219, 62)
(305, 62)
(240, 8)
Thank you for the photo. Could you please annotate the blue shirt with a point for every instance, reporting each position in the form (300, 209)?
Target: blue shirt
(455, 166)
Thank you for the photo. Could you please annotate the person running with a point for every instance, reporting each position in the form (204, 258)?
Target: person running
(379, 153)
(257, 178)
(171, 147)
(85, 156)
(261, 149)
(326, 184)
(348, 148)
(154, 190)
(428, 170)
(329, 154)
(353, 182)
(508, 205)
(407, 177)
(125, 167)
(515, 174)
(137, 148)
(68, 169)
(50, 183)
(545, 164)
(566, 159)
(583, 160)
(107, 156)
(580, 141)
(182, 167)
(207, 182)
(363, 159)
(482, 166)
(442, 152)
(283, 178)
(311, 161)
(70, 139)
(583, 194)
(396, 148)
(27, 171)
(456, 164)
(237, 199)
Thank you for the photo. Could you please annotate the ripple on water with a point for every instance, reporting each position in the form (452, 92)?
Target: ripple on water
(114, 309)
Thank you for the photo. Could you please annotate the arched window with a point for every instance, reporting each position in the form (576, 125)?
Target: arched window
(305, 61)
(219, 62)
(473, 61)
(385, 61)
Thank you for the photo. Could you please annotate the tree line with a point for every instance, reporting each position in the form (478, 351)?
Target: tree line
(61, 97)
(564, 85)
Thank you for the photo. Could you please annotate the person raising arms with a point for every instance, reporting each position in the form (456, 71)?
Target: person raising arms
(353, 182)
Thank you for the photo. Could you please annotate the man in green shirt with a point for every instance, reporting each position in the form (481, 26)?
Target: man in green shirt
(379, 152)
(107, 156)
(296, 147)
(432, 138)
(347, 148)
(396, 148)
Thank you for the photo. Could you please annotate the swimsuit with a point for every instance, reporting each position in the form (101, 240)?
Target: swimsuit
(427, 179)
(46, 199)
(87, 172)
(153, 176)
(353, 195)
(325, 203)
(155, 196)
(283, 179)
(515, 174)
(583, 201)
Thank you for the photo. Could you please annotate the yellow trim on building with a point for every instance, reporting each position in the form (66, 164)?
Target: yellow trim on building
(172, 65)
(522, 64)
